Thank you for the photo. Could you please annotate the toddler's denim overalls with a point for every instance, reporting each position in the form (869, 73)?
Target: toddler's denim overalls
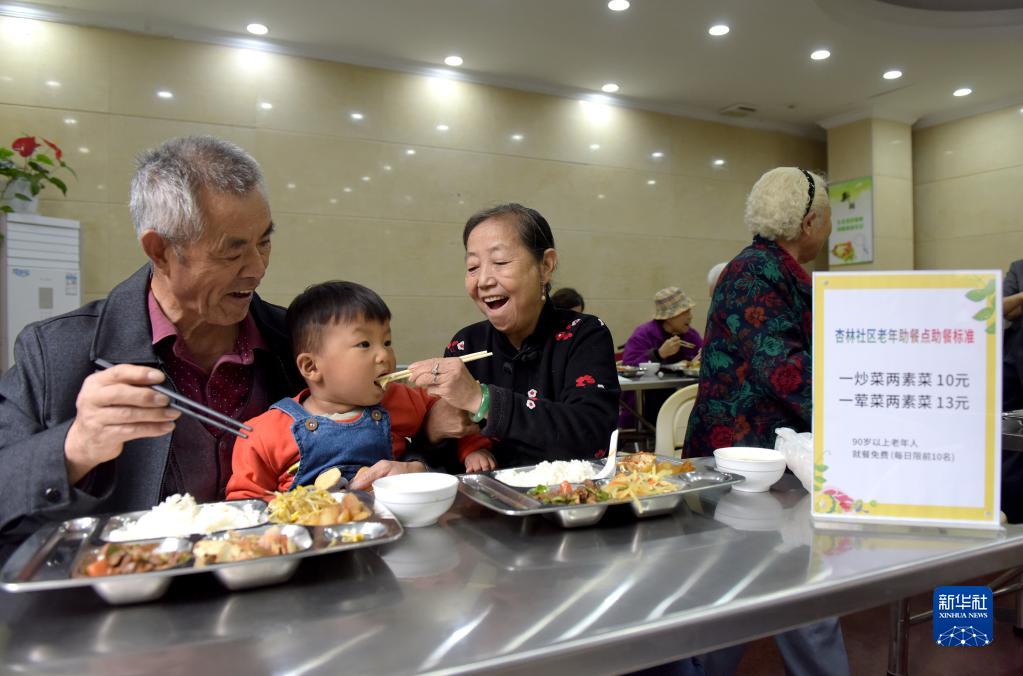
(324, 443)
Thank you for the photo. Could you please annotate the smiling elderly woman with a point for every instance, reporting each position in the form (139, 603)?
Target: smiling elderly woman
(755, 375)
(550, 391)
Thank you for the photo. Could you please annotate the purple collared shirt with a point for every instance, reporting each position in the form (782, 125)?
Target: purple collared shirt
(227, 387)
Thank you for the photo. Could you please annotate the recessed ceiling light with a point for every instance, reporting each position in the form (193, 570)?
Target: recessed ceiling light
(718, 30)
(442, 127)
(618, 5)
(366, 179)
(657, 154)
(291, 186)
(719, 162)
(356, 116)
(165, 94)
(257, 29)
(892, 74)
(651, 182)
(52, 83)
(70, 120)
(517, 137)
(83, 150)
(266, 105)
(453, 60)
(610, 88)
(347, 189)
(410, 151)
(819, 54)
(963, 91)
(594, 146)
(387, 167)
(600, 196)
(333, 200)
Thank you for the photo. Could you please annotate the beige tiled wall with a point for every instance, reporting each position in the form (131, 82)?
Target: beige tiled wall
(968, 195)
(619, 237)
(881, 149)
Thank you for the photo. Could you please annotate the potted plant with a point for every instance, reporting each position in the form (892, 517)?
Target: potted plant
(25, 169)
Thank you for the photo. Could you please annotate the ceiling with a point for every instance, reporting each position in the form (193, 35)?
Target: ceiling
(658, 51)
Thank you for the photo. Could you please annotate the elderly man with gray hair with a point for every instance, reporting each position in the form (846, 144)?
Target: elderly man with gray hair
(74, 441)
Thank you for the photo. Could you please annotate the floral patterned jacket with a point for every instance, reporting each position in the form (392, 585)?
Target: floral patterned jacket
(755, 375)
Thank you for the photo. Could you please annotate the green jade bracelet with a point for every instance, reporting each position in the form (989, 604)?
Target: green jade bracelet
(484, 404)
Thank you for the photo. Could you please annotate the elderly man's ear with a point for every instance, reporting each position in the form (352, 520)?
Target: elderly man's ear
(157, 249)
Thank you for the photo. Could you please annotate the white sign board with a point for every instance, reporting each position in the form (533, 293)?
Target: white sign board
(907, 397)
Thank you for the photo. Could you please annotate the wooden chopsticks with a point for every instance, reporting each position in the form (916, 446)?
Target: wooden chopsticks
(404, 374)
(686, 343)
(194, 408)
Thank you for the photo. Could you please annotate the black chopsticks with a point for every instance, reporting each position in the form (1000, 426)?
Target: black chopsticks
(194, 408)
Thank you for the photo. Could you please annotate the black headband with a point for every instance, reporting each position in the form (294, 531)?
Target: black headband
(810, 191)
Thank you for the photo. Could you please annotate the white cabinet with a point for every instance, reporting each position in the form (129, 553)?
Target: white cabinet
(40, 271)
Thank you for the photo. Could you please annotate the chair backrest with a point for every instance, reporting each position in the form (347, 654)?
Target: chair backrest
(672, 420)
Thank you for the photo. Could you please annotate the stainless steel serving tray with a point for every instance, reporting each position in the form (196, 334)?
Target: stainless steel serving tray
(52, 558)
(684, 370)
(492, 493)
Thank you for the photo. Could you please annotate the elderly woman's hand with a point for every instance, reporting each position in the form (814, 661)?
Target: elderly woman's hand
(444, 421)
(365, 478)
(448, 379)
(670, 347)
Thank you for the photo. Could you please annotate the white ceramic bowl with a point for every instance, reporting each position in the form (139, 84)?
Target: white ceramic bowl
(418, 498)
(762, 467)
(650, 367)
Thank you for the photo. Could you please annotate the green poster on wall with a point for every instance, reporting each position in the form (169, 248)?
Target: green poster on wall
(852, 222)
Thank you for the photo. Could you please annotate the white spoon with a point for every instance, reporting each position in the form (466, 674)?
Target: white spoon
(612, 454)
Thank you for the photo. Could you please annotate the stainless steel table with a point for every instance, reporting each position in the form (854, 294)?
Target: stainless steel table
(484, 592)
(651, 382)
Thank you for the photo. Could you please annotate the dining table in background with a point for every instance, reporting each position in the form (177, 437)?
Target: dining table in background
(663, 380)
(486, 593)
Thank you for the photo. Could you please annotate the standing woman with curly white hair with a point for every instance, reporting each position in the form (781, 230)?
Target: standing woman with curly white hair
(755, 375)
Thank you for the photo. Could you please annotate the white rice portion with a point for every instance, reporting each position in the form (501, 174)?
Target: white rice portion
(548, 473)
(179, 515)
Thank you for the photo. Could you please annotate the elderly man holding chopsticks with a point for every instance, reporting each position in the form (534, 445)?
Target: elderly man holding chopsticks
(74, 440)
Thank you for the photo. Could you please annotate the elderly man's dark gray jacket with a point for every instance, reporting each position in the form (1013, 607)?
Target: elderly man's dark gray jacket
(37, 406)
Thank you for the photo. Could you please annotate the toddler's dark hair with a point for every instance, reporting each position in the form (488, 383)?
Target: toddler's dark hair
(327, 303)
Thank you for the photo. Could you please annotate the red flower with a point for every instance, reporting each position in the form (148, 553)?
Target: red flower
(786, 378)
(754, 315)
(740, 373)
(583, 381)
(562, 335)
(25, 146)
(741, 427)
(58, 153)
(721, 436)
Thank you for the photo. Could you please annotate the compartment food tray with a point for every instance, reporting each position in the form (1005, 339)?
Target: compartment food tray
(485, 489)
(54, 556)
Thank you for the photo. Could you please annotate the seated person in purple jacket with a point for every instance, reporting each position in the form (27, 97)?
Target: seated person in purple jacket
(668, 338)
